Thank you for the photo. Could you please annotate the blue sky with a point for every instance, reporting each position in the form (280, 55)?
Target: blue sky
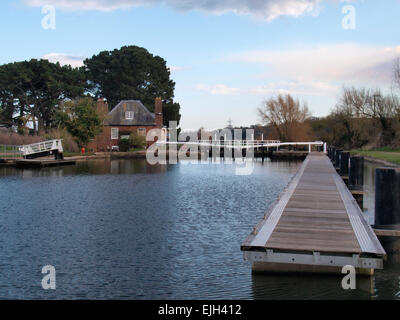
(226, 57)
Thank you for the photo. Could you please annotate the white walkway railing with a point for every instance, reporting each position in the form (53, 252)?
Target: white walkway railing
(45, 146)
(245, 144)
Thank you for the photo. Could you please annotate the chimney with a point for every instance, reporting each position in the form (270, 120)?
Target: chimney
(158, 113)
(102, 108)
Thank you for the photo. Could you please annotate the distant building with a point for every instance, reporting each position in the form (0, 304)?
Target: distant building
(126, 117)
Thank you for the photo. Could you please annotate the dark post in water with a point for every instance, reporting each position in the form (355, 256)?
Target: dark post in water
(344, 163)
(356, 173)
(337, 158)
(332, 156)
(387, 200)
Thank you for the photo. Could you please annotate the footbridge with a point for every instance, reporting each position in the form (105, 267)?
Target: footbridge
(245, 144)
(34, 150)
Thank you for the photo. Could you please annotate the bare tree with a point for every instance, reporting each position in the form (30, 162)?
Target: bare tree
(356, 104)
(346, 117)
(287, 116)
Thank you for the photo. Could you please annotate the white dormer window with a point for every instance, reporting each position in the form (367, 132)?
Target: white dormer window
(129, 115)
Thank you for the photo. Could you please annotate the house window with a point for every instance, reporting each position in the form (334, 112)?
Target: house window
(142, 131)
(129, 115)
(114, 133)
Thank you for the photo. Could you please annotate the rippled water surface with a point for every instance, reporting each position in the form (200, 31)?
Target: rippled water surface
(123, 229)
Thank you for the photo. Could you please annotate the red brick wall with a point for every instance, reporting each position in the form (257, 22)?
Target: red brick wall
(103, 142)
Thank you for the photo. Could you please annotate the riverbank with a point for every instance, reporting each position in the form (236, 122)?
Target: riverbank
(107, 155)
(385, 157)
(274, 155)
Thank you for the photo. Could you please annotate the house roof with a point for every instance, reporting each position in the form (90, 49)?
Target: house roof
(142, 116)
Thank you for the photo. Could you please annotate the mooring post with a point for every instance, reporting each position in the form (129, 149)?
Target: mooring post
(356, 173)
(387, 196)
(337, 158)
(333, 152)
(334, 157)
(344, 163)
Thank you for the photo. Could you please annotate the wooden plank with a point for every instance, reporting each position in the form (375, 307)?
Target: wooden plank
(309, 210)
(319, 195)
(315, 205)
(303, 227)
(43, 163)
(310, 230)
(315, 221)
(307, 197)
(316, 215)
(313, 243)
(314, 236)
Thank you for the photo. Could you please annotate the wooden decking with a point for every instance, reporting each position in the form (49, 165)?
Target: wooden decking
(316, 222)
(40, 163)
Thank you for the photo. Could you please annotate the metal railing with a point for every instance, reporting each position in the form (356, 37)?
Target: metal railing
(14, 151)
(246, 144)
(10, 152)
(44, 146)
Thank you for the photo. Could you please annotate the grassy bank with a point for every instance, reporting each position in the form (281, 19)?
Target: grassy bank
(386, 154)
(75, 154)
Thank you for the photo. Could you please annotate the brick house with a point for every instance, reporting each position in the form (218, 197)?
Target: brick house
(126, 117)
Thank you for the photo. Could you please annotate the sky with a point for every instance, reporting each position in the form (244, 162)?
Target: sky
(225, 56)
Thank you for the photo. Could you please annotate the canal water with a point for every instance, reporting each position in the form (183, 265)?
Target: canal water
(122, 229)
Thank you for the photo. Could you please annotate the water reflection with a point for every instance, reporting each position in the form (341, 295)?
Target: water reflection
(308, 287)
(369, 189)
(124, 229)
(92, 167)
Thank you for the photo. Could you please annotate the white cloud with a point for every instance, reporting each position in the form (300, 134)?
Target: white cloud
(295, 87)
(176, 68)
(65, 59)
(263, 9)
(326, 63)
(218, 89)
(315, 70)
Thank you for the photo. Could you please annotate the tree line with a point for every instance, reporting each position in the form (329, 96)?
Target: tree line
(35, 91)
(361, 118)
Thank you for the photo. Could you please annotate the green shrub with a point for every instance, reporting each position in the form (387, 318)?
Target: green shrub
(124, 145)
(137, 141)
